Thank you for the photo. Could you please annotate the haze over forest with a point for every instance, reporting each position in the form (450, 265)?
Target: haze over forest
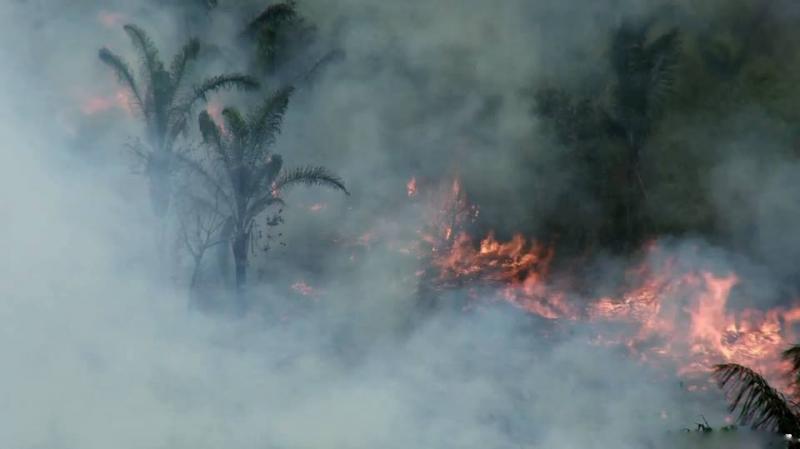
(439, 224)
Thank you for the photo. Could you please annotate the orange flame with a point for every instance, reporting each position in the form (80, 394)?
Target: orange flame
(304, 289)
(411, 187)
(663, 315)
(110, 19)
(97, 104)
(317, 207)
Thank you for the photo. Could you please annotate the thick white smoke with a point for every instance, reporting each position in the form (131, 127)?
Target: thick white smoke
(98, 353)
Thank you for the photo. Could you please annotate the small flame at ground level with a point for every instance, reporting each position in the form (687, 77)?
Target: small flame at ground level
(411, 187)
(304, 289)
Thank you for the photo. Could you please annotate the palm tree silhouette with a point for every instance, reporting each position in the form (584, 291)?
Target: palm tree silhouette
(247, 175)
(760, 405)
(164, 105)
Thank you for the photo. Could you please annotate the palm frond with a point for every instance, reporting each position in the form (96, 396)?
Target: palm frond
(265, 123)
(219, 82)
(626, 39)
(210, 131)
(759, 405)
(123, 72)
(663, 57)
(212, 135)
(146, 48)
(178, 126)
(310, 176)
(236, 124)
(181, 60)
(275, 15)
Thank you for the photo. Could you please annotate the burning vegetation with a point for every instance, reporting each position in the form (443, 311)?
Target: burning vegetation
(602, 266)
(663, 312)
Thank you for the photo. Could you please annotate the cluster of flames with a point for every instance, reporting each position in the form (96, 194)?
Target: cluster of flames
(665, 312)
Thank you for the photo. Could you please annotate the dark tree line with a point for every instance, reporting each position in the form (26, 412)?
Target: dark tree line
(638, 138)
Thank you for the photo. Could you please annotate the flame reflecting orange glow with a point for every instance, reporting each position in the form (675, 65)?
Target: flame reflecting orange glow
(411, 187)
(214, 109)
(110, 19)
(304, 289)
(96, 104)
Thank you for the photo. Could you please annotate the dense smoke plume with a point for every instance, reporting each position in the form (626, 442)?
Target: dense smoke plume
(101, 350)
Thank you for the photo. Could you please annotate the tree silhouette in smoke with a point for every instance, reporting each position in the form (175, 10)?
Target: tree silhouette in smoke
(164, 105)
(645, 77)
(283, 44)
(248, 177)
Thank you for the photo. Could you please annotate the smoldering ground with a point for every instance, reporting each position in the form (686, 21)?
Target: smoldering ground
(99, 353)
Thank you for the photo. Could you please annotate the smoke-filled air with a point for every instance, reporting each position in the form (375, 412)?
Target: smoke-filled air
(434, 224)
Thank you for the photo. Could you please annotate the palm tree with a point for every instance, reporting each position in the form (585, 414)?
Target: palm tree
(275, 32)
(759, 404)
(644, 72)
(247, 175)
(283, 44)
(158, 95)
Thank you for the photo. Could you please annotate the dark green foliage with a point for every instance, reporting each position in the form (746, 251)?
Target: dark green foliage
(163, 104)
(606, 138)
(188, 53)
(575, 120)
(280, 38)
(273, 31)
(645, 77)
(272, 18)
(266, 119)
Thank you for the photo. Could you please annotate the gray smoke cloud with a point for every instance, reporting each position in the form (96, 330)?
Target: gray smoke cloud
(98, 352)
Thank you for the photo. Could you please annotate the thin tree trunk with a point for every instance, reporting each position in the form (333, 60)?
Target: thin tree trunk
(240, 247)
(158, 172)
(635, 196)
(193, 299)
